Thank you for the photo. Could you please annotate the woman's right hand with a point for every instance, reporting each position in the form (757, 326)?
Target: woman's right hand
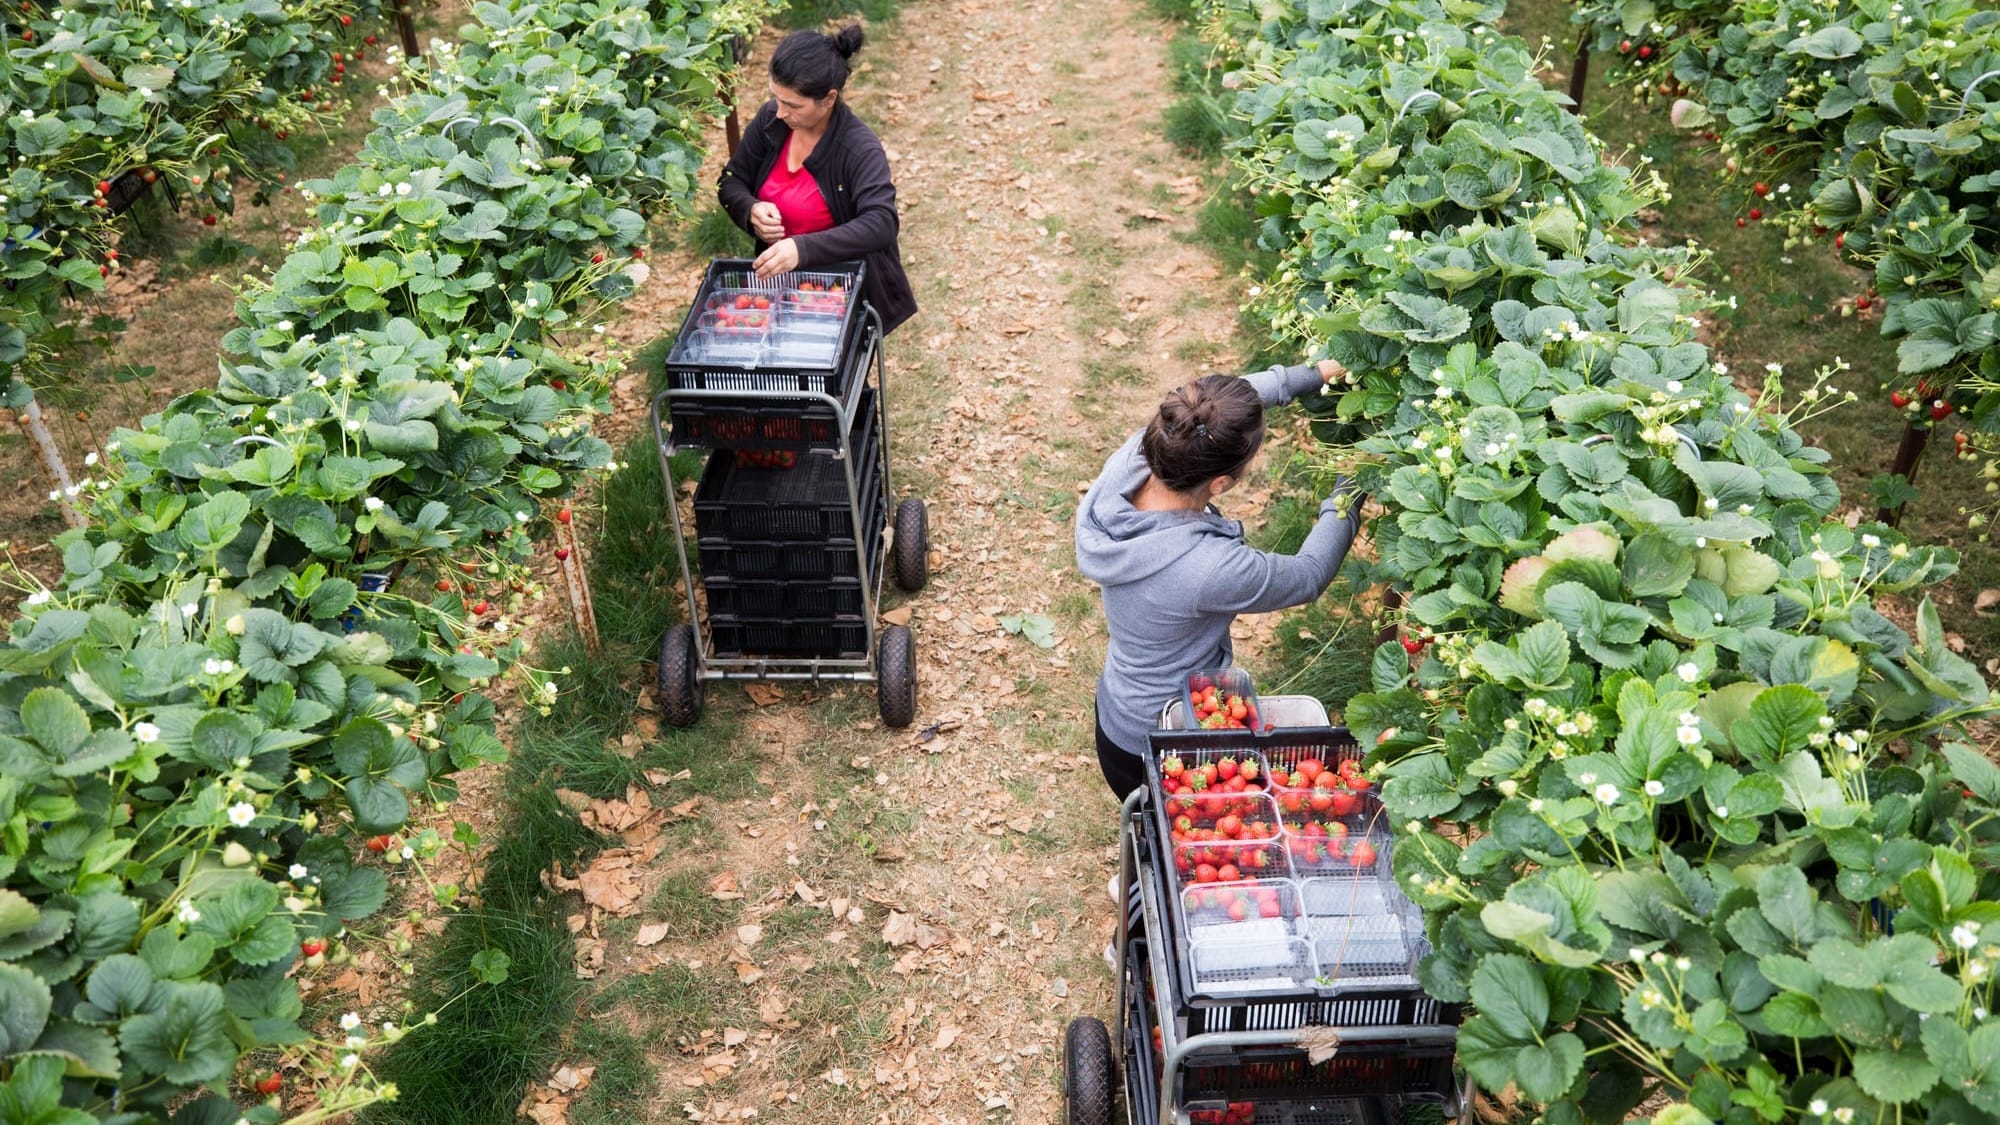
(765, 222)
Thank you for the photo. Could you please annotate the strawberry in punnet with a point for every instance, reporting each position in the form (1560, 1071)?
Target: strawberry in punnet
(1362, 854)
(1226, 768)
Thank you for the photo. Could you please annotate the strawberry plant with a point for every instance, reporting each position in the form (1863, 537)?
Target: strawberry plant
(1686, 810)
(103, 100)
(226, 693)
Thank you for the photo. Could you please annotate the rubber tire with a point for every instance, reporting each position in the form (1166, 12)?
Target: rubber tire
(913, 545)
(679, 683)
(896, 671)
(1087, 1073)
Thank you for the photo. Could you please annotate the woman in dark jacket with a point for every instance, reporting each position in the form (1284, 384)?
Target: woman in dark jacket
(811, 183)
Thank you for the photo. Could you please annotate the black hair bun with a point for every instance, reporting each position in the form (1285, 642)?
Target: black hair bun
(847, 40)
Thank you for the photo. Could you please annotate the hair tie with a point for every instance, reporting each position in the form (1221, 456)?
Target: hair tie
(1201, 430)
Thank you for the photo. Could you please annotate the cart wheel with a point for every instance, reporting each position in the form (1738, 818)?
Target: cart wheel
(896, 689)
(1087, 1072)
(679, 685)
(913, 545)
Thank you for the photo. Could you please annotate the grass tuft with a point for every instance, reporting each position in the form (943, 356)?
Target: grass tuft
(1195, 124)
(682, 901)
(814, 13)
(1322, 650)
(713, 234)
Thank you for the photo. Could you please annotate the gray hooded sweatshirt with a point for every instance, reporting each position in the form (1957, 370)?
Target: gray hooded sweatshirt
(1174, 581)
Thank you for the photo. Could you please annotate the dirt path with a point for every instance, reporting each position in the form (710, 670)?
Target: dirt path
(920, 912)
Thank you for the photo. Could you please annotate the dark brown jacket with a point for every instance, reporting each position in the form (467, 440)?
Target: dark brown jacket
(853, 176)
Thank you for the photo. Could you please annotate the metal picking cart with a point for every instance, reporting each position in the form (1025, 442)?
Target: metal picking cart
(1308, 1015)
(795, 532)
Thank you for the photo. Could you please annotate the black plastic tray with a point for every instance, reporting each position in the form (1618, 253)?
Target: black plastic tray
(1347, 1004)
(734, 273)
(783, 601)
(808, 501)
(845, 637)
(818, 561)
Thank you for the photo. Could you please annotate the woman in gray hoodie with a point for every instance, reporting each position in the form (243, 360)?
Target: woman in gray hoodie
(1174, 572)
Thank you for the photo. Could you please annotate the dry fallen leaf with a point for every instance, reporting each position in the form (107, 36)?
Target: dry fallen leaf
(651, 934)
(763, 695)
(946, 1036)
(900, 929)
(1986, 600)
(1321, 1043)
(750, 934)
(898, 616)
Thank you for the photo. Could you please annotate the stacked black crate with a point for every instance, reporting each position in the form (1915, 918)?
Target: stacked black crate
(789, 522)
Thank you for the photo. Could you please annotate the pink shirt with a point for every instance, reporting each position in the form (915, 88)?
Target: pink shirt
(797, 196)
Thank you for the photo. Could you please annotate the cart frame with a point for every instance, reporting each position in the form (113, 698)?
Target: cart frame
(863, 669)
(1134, 819)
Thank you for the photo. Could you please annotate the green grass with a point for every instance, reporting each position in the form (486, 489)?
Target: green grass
(624, 1078)
(492, 1040)
(713, 234)
(1786, 312)
(814, 13)
(672, 1001)
(635, 573)
(682, 901)
(1319, 652)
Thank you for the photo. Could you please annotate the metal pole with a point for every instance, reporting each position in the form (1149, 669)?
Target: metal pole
(52, 461)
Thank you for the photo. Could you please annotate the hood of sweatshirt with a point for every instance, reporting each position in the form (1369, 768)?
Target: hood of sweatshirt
(1117, 543)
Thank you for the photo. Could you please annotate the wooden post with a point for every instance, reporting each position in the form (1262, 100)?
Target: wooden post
(576, 583)
(1392, 599)
(52, 462)
(406, 27)
(1579, 72)
(1909, 455)
(731, 130)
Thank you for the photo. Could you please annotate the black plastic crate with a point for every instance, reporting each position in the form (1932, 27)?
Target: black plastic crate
(844, 637)
(778, 425)
(808, 501)
(1399, 1071)
(1341, 1003)
(733, 275)
(1363, 1084)
(766, 601)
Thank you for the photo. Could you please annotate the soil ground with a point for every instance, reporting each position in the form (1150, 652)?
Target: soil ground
(901, 922)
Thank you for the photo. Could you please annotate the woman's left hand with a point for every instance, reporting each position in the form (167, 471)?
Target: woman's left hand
(1331, 370)
(782, 257)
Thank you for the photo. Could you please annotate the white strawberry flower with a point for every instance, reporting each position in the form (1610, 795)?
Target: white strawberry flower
(146, 732)
(1606, 794)
(1654, 788)
(242, 813)
(187, 914)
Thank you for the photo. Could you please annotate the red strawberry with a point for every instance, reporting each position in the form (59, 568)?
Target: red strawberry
(347, 21)
(1756, 214)
(1226, 768)
(562, 554)
(378, 843)
(480, 607)
(1362, 854)
(270, 1084)
(1646, 52)
(1898, 399)
(208, 220)
(562, 516)
(1940, 410)
(1761, 189)
(313, 947)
